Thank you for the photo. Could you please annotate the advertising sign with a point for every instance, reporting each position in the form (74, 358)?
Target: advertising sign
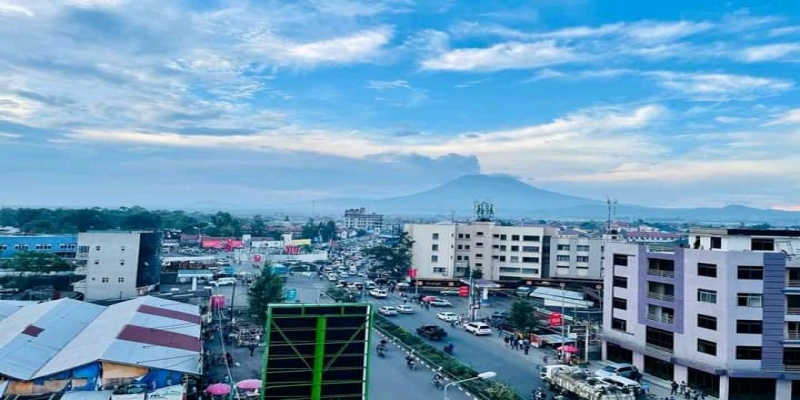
(555, 319)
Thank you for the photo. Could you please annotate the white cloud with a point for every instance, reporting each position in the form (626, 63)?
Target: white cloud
(13, 9)
(9, 135)
(655, 31)
(770, 52)
(719, 87)
(785, 30)
(358, 47)
(17, 109)
(546, 74)
(512, 55)
(379, 85)
(790, 117)
(95, 3)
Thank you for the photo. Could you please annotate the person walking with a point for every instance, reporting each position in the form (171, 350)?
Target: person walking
(229, 359)
(673, 388)
(682, 387)
(545, 359)
(252, 348)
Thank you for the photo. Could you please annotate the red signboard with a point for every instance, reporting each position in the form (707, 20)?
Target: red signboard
(412, 272)
(463, 291)
(555, 319)
(257, 258)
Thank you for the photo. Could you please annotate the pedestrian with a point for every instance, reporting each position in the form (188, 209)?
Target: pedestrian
(527, 348)
(673, 388)
(229, 359)
(545, 359)
(252, 348)
(453, 323)
(687, 394)
(507, 340)
(682, 387)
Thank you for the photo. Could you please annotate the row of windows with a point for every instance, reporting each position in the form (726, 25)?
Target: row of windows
(106, 280)
(742, 299)
(579, 247)
(121, 262)
(40, 246)
(525, 249)
(577, 258)
(743, 326)
(742, 352)
(515, 238)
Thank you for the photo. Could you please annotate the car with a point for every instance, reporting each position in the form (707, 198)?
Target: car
(343, 274)
(501, 315)
(379, 293)
(387, 310)
(624, 370)
(440, 303)
(429, 298)
(432, 332)
(449, 292)
(447, 316)
(404, 309)
(478, 328)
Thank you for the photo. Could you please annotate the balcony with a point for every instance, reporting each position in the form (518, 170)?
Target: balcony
(661, 272)
(793, 311)
(660, 296)
(792, 335)
(82, 256)
(791, 368)
(662, 318)
(793, 283)
(659, 349)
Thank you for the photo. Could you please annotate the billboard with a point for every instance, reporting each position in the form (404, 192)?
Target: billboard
(316, 351)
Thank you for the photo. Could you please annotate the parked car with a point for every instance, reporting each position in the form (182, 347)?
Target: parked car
(624, 370)
(224, 282)
(501, 315)
(379, 293)
(387, 310)
(478, 328)
(447, 316)
(405, 309)
(432, 332)
(440, 303)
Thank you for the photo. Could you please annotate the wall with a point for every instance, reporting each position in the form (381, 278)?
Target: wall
(112, 256)
(421, 252)
(56, 242)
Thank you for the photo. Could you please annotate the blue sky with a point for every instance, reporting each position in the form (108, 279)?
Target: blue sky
(116, 102)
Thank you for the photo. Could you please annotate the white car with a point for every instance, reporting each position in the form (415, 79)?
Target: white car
(447, 316)
(405, 309)
(379, 293)
(478, 328)
(343, 274)
(387, 310)
(440, 303)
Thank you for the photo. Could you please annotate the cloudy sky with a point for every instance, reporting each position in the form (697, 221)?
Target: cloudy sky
(231, 102)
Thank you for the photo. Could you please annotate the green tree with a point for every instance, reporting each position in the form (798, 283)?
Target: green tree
(37, 263)
(394, 261)
(477, 273)
(257, 226)
(266, 289)
(310, 230)
(522, 316)
(501, 391)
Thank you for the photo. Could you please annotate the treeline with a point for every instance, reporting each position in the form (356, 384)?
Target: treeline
(62, 220)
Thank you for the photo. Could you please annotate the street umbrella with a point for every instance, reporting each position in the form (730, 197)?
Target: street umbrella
(249, 384)
(219, 389)
(568, 349)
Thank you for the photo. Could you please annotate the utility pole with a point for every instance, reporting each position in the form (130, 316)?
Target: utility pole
(233, 298)
(562, 313)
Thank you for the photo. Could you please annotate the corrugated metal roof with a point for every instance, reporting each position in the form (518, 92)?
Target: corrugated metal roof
(8, 307)
(557, 293)
(50, 326)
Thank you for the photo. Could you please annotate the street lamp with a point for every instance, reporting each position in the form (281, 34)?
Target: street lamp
(482, 375)
(562, 312)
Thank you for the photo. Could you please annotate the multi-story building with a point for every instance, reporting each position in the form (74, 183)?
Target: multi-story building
(358, 218)
(119, 264)
(723, 315)
(449, 250)
(62, 245)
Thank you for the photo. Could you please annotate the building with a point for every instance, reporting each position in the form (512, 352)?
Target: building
(119, 264)
(66, 344)
(62, 245)
(652, 237)
(723, 315)
(510, 253)
(357, 218)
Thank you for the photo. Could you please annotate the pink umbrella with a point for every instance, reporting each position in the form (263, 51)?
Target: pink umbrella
(249, 384)
(568, 349)
(219, 389)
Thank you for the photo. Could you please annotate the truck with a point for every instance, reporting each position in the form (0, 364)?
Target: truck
(571, 379)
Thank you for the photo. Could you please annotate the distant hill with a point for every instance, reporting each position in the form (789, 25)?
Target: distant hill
(513, 198)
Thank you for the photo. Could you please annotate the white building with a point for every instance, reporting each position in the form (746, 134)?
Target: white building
(119, 264)
(723, 316)
(447, 250)
(358, 218)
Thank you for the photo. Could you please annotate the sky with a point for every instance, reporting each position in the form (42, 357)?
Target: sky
(244, 103)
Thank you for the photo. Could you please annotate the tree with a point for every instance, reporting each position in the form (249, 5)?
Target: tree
(501, 391)
(394, 261)
(266, 289)
(310, 230)
(477, 273)
(37, 263)
(257, 227)
(522, 317)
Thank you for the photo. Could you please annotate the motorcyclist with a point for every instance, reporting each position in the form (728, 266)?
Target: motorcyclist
(410, 361)
(448, 348)
(437, 379)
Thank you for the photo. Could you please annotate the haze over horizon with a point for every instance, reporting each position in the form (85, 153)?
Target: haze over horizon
(163, 104)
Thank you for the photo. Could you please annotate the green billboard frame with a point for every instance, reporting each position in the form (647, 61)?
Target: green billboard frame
(321, 361)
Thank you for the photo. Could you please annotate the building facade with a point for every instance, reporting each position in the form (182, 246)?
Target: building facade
(501, 252)
(62, 245)
(358, 218)
(119, 264)
(723, 316)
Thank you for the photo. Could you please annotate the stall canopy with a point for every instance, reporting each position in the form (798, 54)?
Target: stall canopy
(88, 395)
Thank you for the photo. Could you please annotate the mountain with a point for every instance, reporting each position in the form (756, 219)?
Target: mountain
(513, 198)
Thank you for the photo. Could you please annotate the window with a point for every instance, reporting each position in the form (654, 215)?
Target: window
(96, 262)
(479, 255)
(478, 265)
(17, 247)
(104, 280)
(619, 303)
(716, 242)
(747, 326)
(120, 280)
(434, 247)
(619, 324)
(479, 234)
(3, 247)
(750, 272)
(83, 249)
(563, 247)
(707, 296)
(503, 237)
(439, 270)
(621, 260)
(479, 245)
(583, 247)
(748, 353)
(582, 259)
(530, 249)
(707, 347)
(530, 259)
(122, 248)
(530, 238)
(435, 236)
(562, 258)
(660, 338)
(121, 262)
(762, 244)
(97, 248)
(434, 258)
(709, 270)
(748, 299)
(621, 282)
(513, 259)
(466, 236)
(501, 258)
(514, 248)
(530, 271)
(515, 237)
(707, 322)
(503, 247)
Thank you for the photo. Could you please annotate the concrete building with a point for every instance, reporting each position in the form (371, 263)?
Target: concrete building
(119, 264)
(724, 315)
(502, 252)
(358, 218)
(62, 245)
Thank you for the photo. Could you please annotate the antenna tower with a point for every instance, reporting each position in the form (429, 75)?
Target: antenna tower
(612, 211)
(484, 211)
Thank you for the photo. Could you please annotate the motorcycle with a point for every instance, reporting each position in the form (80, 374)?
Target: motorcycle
(381, 351)
(437, 383)
(411, 364)
(448, 349)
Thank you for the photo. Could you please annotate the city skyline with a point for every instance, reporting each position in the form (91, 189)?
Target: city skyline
(110, 102)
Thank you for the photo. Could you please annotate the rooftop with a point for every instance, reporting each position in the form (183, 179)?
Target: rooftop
(746, 232)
